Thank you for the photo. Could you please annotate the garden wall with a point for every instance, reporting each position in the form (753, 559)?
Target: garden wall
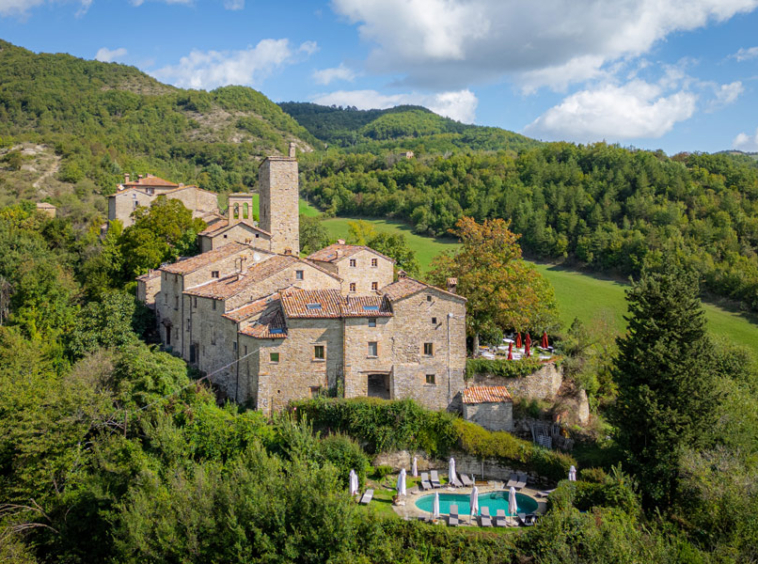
(541, 385)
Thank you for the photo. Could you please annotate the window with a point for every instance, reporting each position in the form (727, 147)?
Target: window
(352, 286)
(319, 353)
(213, 336)
(315, 391)
(234, 348)
(165, 298)
(434, 321)
(375, 285)
(372, 321)
(429, 298)
(136, 203)
(374, 263)
(214, 274)
(176, 278)
(352, 263)
(214, 305)
(176, 302)
(274, 357)
(299, 274)
(428, 349)
(256, 235)
(313, 306)
(194, 300)
(189, 325)
(373, 348)
(245, 349)
(225, 236)
(430, 379)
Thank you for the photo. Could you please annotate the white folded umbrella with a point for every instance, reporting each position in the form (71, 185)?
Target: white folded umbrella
(401, 483)
(451, 477)
(414, 469)
(572, 474)
(436, 506)
(353, 483)
(474, 501)
(512, 505)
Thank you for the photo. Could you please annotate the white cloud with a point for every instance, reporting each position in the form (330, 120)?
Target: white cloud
(460, 105)
(728, 93)
(635, 110)
(140, 2)
(234, 4)
(745, 142)
(21, 8)
(746, 54)
(209, 69)
(448, 44)
(106, 55)
(326, 76)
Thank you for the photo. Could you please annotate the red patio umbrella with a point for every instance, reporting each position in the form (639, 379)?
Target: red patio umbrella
(510, 351)
(545, 344)
(518, 341)
(528, 345)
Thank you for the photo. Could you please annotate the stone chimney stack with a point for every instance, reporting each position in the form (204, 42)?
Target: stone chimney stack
(293, 150)
(452, 285)
(340, 241)
(126, 178)
(401, 274)
(139, 176)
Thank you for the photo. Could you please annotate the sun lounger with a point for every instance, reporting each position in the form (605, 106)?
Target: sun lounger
(425, 483)
(544, 493)
(452, 520)
(435, 480)
(521, 481)
(527, 519)
(466, 480)
(512, 482)
(500, 518)
(456, 482)
(485, 517)
(367, 496)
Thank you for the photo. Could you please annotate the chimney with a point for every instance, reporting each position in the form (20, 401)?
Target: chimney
(139, 176)
(126, 178)
(288, 252)
(452, 285)
(401, 274)
(293, 150)
(340, 241)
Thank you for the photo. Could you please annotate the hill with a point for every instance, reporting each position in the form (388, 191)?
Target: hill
(102, 119)
(402, 127)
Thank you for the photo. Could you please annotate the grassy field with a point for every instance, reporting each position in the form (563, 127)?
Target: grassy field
(592, 299)
(305, 207)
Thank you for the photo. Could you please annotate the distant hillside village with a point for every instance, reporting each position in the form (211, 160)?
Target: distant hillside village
(269, 327)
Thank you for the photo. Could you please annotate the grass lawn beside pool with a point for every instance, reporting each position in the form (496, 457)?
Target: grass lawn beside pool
(591, 298)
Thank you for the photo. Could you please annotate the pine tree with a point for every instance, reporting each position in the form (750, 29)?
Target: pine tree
(665, 377)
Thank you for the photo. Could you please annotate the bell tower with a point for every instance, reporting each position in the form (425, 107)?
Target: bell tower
(279, 198)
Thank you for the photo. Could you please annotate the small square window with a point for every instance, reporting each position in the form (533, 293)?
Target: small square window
(352, 286)
(225, 236)
(372, 321)
(274, 357)
(428, 298)
(428, 349)
(375, 285)
(299, 274)
(315, 391)
(319, 353)
(214, 274)
(373, 348)
(374, 263)
(352, 263)
(430, 379)
(434, 321)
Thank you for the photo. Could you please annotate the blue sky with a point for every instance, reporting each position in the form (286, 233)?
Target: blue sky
(669, 74)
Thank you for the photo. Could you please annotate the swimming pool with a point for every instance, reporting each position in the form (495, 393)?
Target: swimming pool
(492, 500)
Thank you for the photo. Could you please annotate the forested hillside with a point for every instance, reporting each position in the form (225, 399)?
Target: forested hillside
(104, 119)
(402, 127)
(611, 208)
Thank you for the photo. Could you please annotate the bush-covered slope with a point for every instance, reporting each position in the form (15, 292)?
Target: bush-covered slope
(402, 127)
(104, 119)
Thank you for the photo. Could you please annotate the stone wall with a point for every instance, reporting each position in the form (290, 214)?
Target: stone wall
(491, 416)
(278, 186)
(542, 385)
(122, 204)
(358, 363)
(363, 274)
(239, 233)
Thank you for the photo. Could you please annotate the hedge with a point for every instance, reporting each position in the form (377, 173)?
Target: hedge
(506, 368)
(384, 426)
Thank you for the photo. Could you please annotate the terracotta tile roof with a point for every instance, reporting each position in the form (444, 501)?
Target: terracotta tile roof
(486, 394)
(251, 309)
(338, 251)
(232, 285)
(312, 303)
(220, 226)
(150, 180)
(191, 264)
(150, 275)
(217, 226)
(299, 303)
(406, 287)
(271, 325)
(366, 306)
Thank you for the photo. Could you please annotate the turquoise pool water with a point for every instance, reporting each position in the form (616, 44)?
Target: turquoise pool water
(493, 500)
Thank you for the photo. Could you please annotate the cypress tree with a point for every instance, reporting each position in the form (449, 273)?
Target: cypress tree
(665, 376)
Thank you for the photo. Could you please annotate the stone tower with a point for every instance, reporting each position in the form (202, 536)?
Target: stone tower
(279, 198)
(240, 207)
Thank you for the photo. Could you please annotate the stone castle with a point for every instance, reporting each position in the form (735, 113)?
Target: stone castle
(269, 327)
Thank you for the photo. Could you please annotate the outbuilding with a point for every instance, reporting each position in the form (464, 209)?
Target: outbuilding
(489, 406)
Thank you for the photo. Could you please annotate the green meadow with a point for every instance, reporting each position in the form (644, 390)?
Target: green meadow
(591, 298)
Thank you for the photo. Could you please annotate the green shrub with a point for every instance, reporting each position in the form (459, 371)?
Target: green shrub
(382, 471)
(345, 454)
(596, 475)
(504, 368)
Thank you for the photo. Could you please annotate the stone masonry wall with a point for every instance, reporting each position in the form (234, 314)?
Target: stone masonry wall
(358, 363)
(278, 186)
(239, 233)
(543, 384)
(363, 274)
(491, 416)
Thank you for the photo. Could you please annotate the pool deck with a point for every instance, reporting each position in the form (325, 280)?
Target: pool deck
(410, 511)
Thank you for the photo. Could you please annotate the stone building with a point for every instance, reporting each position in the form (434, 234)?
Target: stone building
(142, 192)
(47, 208)
(489, 406)
(269, 327)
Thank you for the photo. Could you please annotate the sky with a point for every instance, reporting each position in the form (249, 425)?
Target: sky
(656, 74)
